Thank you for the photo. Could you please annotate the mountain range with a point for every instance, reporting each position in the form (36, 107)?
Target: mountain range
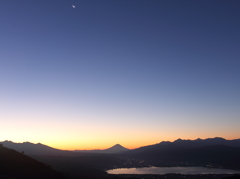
(157, 150)
(217, 152)
(40, 149)
(179, 145)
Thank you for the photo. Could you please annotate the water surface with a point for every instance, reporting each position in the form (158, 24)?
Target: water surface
(176, 170)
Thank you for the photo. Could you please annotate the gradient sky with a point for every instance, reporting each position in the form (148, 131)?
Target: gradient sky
(133, 72)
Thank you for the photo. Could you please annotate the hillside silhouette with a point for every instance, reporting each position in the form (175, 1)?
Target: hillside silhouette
(180, 145)
(19, 166)
(36, 149)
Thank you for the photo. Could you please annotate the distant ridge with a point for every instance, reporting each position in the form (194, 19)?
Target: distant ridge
(40, 149)
(36, 149)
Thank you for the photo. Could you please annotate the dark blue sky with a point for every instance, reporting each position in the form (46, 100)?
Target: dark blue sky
(125, 64)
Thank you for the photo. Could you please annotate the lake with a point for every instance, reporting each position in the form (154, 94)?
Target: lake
(176, 170)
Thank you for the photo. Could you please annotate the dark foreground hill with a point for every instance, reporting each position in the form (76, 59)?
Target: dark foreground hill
(19, 166)
(16, 165)
(89, 166)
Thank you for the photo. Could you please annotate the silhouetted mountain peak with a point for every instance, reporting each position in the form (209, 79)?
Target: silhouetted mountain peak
(163, 142)
(178, 140)
(117, 145)
(181, 140)
(116, 148)
(217, 138)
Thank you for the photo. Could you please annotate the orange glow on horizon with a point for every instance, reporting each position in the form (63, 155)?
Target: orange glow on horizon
(80, 136)
(74, 145)
(106, 146)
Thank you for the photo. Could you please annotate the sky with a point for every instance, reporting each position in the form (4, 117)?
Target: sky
(132, 72)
